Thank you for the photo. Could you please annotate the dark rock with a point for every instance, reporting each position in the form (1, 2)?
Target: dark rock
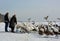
(1, 18)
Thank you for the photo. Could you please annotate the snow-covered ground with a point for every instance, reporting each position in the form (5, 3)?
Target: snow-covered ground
(34, 36)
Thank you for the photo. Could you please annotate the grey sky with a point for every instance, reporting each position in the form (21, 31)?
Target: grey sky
(36, 9)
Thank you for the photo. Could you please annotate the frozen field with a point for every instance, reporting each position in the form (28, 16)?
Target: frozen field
(8, 36)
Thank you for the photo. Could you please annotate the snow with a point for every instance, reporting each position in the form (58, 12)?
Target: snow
(33, 36)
